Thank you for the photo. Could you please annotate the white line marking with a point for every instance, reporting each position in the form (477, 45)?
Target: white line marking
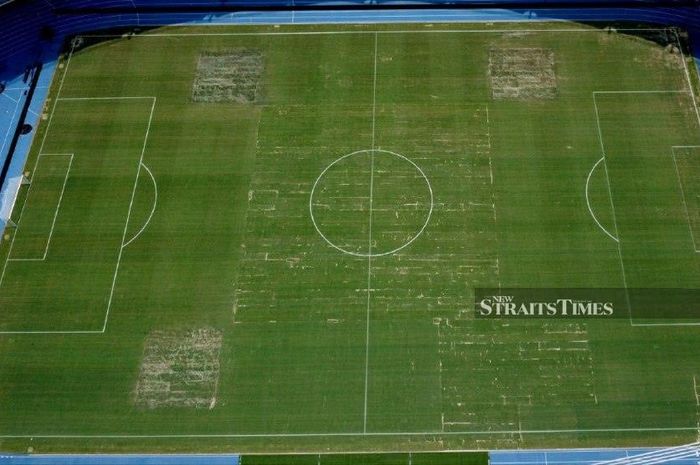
(640, 91)
(590, 209)
(666, 324)
(58, 207)
(141, 97)
(53, 332)
(374, 91)
(153, 209)
(695, 391)
(16, 101)
(687, 75)
(685, 204)
(612, 203)
(373, 254)
(12, 242)
(128, 216)
(369, 247)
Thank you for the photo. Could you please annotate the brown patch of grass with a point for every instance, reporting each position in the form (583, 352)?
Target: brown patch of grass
(522, 73)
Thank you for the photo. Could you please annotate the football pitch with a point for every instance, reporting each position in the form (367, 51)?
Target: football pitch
(268, 239)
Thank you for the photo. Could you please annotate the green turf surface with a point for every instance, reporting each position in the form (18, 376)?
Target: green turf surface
(332, 235)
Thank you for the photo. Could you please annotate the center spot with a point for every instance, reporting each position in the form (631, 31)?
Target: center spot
(371, 203)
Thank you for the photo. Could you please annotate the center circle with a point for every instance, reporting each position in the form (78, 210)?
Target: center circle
(371, 203)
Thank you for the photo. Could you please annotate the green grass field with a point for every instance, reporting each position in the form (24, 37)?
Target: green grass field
(287, 263)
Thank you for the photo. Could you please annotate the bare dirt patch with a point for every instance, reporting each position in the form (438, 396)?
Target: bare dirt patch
(179, 369)
(228, 76)
(522, 73)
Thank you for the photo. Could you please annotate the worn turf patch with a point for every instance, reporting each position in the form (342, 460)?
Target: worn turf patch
(522, 73)
(229, 76)
(480, 385)
(179, 369)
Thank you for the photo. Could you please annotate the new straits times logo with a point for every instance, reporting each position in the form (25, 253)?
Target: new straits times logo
(604, 303)
(508, 306)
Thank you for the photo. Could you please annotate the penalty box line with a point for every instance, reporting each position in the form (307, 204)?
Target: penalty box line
(680, 184)
(128, 217)
(612, 203)
(369, 246)
(131, 204)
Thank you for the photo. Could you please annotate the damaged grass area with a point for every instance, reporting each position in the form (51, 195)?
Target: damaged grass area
(179, 369)
(228, 76)
(522, 73)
